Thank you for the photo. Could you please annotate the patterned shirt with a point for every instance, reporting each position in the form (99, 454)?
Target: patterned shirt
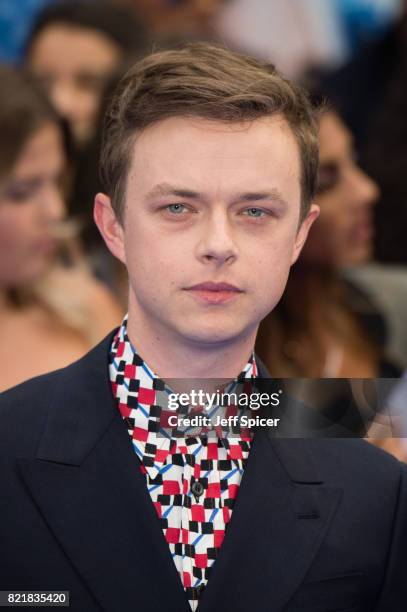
(193, 517)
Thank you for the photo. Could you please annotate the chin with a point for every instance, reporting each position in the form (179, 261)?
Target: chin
(358, 257)
(211, 334)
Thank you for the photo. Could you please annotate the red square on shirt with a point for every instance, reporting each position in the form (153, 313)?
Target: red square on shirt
(171, 487)
(212, 450)
(201, 561)
(146, 396)
(197, 512)
(218, 535)
(161, 455)
(233, 489)
(157, 506)
(172, 535)
(186, 579)
(213, 489)
(185, 536)
(235, 451)
(130, 371)
(140, 434)
(125, 411)
(120, 349)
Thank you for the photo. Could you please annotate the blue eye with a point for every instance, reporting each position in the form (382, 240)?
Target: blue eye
(176, 208)
(254, 212)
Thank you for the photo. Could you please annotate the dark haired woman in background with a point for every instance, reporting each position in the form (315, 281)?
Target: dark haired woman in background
(74, 48)
(323, 326)
(51, 309)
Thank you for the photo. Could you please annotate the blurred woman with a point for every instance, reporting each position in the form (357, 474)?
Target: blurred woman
(324, 326)
(74, 48)
(51, 309)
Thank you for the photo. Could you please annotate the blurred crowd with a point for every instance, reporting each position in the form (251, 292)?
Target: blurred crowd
(344, 311)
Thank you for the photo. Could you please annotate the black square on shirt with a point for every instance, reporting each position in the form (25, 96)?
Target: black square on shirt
(164, 499)
(155, 410)
(209, 503)
(158, 384)
(197, 573)
(134, 384)
(150, 448)
(178, 500)
(137, 360)
(190, 550)
(177, 459)
(132, 401)
(121, 366)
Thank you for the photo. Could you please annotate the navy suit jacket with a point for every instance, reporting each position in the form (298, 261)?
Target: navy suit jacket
(318, 525)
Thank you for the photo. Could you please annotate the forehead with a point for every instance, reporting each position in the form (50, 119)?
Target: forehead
(212, 155)
(43, 151)
(61, 46)
(335, 140)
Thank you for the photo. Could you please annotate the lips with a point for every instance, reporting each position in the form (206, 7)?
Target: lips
(211, 286)
(214, 293)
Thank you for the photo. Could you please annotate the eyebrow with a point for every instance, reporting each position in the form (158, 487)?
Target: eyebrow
(165, 189)
(272, 194)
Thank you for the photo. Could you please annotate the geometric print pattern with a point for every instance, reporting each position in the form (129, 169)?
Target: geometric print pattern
(193, 518)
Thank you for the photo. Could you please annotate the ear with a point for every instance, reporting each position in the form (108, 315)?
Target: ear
(109, 226)
(302, 233)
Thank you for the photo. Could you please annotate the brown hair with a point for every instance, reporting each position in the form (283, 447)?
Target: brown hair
(210, 82)
(23, 110)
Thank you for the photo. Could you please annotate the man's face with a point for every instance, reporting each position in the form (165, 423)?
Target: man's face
(211, 226)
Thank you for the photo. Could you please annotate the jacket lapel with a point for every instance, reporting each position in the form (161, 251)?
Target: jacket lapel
(280, 517)
(87, 485)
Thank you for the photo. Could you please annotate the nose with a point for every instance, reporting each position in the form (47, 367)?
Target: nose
(64, 99)
(52, 204)
(365, 191)
(216, 244)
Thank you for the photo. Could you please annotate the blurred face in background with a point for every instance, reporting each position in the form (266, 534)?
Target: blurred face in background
(30, 208)
(73, 64)
(179, 17)
(344, 231)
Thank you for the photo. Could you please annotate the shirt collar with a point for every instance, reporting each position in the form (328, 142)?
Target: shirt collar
(141, 396)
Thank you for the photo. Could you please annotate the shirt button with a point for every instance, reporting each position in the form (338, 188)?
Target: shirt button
(197, 489)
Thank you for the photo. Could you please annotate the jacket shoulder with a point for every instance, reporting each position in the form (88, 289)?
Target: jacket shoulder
(24, 408)
(358, 461)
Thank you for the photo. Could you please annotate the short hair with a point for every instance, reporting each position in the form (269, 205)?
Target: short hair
(210, 82)
(121, 25)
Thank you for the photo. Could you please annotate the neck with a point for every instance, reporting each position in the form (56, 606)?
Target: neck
(172, 356)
